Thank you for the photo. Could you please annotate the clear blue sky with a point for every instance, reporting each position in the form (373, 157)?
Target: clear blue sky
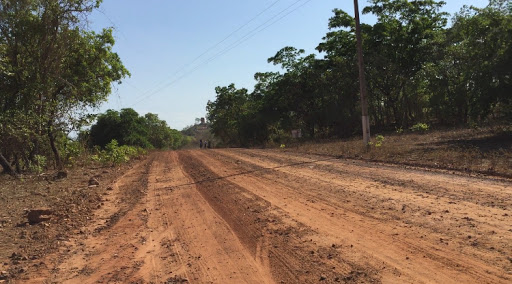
(158, 41)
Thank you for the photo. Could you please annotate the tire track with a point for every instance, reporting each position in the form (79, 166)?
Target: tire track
(482, 231)
(408, 256)
(293, 256)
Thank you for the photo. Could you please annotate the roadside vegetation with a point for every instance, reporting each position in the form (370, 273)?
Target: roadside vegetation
(128, 128)
(439, 95)
(422, 74)
(54, 71)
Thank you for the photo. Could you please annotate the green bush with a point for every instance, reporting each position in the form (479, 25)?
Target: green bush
(72, 151)
(115, 155)
(421, 127)
(379, 139)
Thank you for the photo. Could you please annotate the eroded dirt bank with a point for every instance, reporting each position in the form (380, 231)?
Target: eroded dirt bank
(265, 216)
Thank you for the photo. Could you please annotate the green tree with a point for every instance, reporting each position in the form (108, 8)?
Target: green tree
(160, 135)
(53, 70)
(226, 113)
(397, 47)
(106, 128)
(128, 128)
(418, 71)
(341, 75)
(472, 80)
(133, 129)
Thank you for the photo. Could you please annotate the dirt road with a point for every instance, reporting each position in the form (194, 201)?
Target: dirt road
(268, 216)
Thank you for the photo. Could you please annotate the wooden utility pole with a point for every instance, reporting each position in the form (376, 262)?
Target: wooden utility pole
(362, 79)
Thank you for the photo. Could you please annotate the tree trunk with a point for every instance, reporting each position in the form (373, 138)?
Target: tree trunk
(6, 166)
(51, 137)
(312, 130)
(17, 163)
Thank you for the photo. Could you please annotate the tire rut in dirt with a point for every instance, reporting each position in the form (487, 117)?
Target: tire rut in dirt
(326, 185)
(89, 261)
(133, 193)
(292, 257)
(380, 173)
(380, 206)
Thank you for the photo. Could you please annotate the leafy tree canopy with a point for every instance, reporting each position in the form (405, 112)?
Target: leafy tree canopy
(128, 128)
(418, 71)
(52, 70)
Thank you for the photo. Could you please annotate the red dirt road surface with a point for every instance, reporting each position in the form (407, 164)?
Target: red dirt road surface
(269, 216)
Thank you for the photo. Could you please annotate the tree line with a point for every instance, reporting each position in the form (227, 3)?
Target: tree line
(418, 70)
(128, 128)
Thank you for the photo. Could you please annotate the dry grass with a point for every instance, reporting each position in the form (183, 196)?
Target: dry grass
(484, 150)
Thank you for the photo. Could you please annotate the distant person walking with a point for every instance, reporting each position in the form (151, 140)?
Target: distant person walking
(200, 143)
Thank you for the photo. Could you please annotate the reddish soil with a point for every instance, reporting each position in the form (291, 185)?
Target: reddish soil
(269, 216)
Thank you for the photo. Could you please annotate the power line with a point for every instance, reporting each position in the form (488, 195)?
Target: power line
(214, 46)
(116, 28)
(243, 39)
(228, 36)
(248, 36)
